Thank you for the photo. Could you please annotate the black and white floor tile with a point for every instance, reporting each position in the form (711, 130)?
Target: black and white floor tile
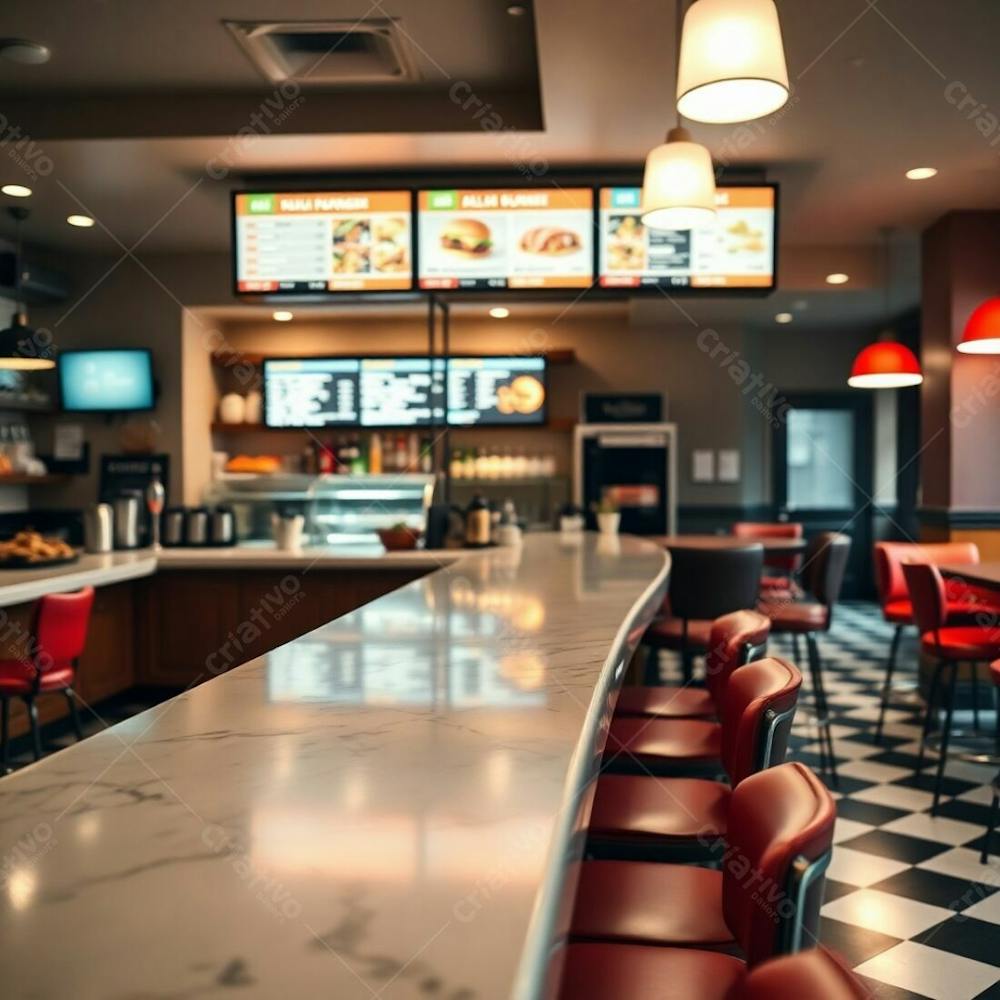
(908, 903)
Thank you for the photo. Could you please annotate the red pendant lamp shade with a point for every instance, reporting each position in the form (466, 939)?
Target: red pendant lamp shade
(982, 332)
(885, 365)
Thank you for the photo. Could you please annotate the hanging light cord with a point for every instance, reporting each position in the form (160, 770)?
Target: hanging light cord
(679, 28)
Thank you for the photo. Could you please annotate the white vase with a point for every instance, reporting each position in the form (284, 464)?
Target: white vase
(232, 408)
(608, 522)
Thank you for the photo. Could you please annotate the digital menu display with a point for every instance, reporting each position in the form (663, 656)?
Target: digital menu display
(737, 251)
(311, 392)
(490, 391)
(305, 241)
(490, 238)
(402, 392)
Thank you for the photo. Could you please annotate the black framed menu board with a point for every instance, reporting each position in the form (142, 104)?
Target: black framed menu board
(496, 391)
(402, 392)
(736, 251)
(493, 238)
(297, 242)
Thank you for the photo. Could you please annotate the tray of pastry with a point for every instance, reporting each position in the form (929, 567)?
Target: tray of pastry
(30, 550)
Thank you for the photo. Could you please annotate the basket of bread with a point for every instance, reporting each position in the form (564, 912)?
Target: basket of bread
(29, 548)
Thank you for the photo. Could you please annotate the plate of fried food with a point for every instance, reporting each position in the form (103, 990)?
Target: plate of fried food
(30, 549)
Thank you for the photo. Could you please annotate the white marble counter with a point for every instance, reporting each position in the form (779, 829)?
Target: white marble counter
(384, 808)
(268, 556)
(20, 585)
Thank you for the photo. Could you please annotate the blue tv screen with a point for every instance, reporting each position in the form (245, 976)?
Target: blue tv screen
(105, 381)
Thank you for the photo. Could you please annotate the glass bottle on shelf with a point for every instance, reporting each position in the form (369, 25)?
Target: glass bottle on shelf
(456, 468)
(426, 455)
(470, 464)
(375, 454)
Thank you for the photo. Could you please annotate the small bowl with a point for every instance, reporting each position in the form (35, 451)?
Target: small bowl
(399, 539)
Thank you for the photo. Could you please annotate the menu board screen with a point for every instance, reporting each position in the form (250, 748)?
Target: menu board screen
(489, 238)
(311, 392)
(491, 391)
(402, 392)
(327, 241)
(737, 251)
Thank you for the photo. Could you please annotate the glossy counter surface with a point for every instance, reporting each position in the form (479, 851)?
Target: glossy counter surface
(385, 807)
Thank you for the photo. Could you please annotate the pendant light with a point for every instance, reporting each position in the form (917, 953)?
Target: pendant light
(19, 347)
(678, 185)
(732, 62)
(982, 331)
(886, 364)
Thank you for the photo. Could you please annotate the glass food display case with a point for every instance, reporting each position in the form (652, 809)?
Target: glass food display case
(338, 510)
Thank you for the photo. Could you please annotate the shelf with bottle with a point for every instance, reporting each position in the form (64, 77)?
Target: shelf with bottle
(370, 453)
(503, 464)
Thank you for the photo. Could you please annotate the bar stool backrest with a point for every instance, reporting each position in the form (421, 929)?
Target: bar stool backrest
(927, 594)
(824, 567)
(756, 530)
(814, 974)
(757, 711)
(734, 639)
(778, 848)
(708, 583)
(61, 623)
(891, 556)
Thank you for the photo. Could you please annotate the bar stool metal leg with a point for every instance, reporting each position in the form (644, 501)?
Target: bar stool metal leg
(36, 736)
(991, 820)
(975, 696)
(4, 734)
(945, 736)
(887, 686)
(74, 714)
(822, 709)
(928, 717)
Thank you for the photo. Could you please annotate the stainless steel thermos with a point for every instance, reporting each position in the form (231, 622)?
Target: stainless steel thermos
(127, 507)
(98, 528)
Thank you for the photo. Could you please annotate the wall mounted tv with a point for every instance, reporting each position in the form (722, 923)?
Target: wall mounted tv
(736, 252)
(319, 242)
(518, 238)
(404, 392)
(113, 380)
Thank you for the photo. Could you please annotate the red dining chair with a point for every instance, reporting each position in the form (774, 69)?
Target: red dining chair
(815, 974)
(991, 819)
(639, 816)
(964, 602)
(782, 582)
(823, 575)
(734, 639)
(58, 636)
(643, 930)
(949, 645)
(704, 585)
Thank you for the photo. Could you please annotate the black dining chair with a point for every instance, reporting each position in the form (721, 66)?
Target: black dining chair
(705, 584)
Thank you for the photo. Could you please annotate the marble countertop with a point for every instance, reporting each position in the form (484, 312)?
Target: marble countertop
(387, 807)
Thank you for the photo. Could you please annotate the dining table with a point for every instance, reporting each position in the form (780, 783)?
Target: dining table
(771, 546)
(984, 574)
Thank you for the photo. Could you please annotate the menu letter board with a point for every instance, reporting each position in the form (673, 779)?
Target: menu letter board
(737, 251)
(303, 241)
(495, 391)
(311, 392)
(402, 392)
(506, 238)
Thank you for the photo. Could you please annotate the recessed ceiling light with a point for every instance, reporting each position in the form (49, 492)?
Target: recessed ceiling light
(921, 173)
(837, 279)
(83, 221)
(282, 315)
(16, 190)
(24, 51)
(499, 312)
(517, 9)
(783, 318)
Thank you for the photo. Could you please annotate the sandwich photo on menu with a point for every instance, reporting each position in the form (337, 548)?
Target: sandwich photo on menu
(351, 239)
(391, 245)
(551, 241)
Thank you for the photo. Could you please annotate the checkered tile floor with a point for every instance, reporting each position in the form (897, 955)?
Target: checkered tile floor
(908, 903)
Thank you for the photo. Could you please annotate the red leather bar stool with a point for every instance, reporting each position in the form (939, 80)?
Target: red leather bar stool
(705, 584)
(963, 601)
(950, 645)
(781, 580)
(734, 639)
(58, 635)
(643, 930)
(642, 817)
(991, 820)
(823, 575)
(815, 974)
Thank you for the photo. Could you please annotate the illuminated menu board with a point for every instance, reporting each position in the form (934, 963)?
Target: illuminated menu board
(737, 251)
(489, 238)
(311, 392)
(491, 391)
(402, 392)
(343, 241)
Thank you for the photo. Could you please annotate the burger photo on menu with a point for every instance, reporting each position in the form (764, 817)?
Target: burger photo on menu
(391, 245)
(351, 246)
(467, 237)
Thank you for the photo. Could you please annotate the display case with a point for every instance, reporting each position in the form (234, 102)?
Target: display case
(338, 510)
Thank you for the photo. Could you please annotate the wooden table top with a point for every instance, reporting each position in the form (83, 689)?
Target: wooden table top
(774, 545)
(986, 574)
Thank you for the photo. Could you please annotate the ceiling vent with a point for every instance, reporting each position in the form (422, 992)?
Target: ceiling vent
(329, 53)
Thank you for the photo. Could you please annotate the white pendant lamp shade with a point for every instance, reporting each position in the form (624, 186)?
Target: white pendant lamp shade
(732, 62)
(678, 187)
